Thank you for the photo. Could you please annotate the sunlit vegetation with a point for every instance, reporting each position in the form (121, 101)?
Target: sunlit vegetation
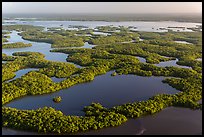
(107, 28)
(5, 36)
(49, 120)
(4, 40)
(56, 39)
(77, 26)
(54, 28)
(109, 54)
(116, 37)
(114, 74)
(22, 28)
(57, 99)
(16, 45)
(8, 58)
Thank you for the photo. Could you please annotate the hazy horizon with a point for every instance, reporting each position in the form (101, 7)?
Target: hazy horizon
(102, 7)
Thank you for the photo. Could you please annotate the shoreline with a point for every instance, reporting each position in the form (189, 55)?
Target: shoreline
(170, 121)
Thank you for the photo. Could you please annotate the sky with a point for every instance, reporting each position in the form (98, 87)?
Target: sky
(101, 7)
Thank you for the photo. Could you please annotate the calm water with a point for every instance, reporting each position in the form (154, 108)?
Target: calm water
(101, 33)
(140, 39)
(170, 121)
(54, 79)
(165, 63)
(39, 47)
(183, 42)
(141, 25)
(22, 72)
(171, 63)
(141, 59)
(36, 47)
(124, 89)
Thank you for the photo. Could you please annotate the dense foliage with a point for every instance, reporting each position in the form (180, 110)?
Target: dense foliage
(16, 45)
(57, 99)
(109, 54)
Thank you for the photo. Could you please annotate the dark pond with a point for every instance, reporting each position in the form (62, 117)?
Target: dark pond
(105, 89)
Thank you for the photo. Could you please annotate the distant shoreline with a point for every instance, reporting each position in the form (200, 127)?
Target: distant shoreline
(197, 18)
(44, 19)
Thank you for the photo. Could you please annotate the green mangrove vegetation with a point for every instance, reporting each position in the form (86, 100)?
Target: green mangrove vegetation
(5, 36)
(114, 74)
(109, 54)
(16, 45)
(22, 28)
(57, 99)
(58, 39)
